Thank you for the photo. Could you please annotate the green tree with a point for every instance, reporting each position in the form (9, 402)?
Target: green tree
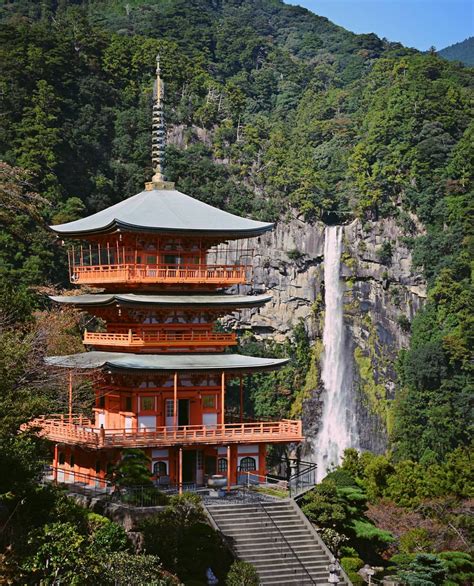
(184, 542)
(132, 470)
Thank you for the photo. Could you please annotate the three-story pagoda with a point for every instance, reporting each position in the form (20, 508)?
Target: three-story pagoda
(164, 261)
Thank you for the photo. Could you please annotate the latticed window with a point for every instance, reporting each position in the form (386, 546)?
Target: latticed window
(159, 468)
(222, 465)
(209, 401)
(199, 460)
(147, 403)
(248, 464)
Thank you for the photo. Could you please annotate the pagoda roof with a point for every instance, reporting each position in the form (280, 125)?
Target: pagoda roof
(104, 299)
(163, 210)
(166, 362)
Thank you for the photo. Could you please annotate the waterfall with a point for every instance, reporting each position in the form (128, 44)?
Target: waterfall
(337, 430)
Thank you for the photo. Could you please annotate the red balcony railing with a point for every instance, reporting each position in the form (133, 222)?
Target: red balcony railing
(156, 338)
(149, 274)
(58, 429)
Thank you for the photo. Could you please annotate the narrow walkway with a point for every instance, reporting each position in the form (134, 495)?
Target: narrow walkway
(276, 538)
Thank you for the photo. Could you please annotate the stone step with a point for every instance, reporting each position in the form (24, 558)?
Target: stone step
(307, 543)
(251, 514)
(276, 540)
(262, 525)
(293, 573)
(269, 530)
(276, 553)
(290, 566)
(247, 505)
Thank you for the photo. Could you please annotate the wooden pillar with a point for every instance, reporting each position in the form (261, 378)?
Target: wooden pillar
(70, 397)
(55, 463)
(228, 468)
(241, 399)
(223, 398)
(180, 470)
(175, 400)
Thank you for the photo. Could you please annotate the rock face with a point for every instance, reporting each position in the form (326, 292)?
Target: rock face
(383, 292)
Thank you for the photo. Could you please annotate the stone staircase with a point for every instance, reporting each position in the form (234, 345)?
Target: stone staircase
(276, 538)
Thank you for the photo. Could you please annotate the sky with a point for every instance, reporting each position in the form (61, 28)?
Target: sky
(414, 23)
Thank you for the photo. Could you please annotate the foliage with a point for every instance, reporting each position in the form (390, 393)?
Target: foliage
(337, 503)
(184, 542)
(275, 394)
(64, 553)
(459, 565)
(462, 51)
(415, 540)
(421, 570)
(351, 566)
(123, 569)
(409, 483)
(242, 574)
(132, 470)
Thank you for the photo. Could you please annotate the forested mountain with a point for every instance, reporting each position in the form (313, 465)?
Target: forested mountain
(272, 112)
(462, 51)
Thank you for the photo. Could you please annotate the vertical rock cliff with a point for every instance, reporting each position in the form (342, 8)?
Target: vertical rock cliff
(382, 294)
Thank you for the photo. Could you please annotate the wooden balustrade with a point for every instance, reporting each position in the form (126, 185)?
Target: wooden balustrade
(60, 430)
(153, 338)
(158, 273)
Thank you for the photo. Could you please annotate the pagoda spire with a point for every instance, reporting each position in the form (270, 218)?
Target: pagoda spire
(158, 135)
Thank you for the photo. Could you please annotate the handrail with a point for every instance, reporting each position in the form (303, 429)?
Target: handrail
(287, 543)
(140, 272)
(302, 481)
(278, 483)
(136, 337)
(62, 429)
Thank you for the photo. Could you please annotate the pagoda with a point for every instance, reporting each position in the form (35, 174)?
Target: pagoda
(161, 367)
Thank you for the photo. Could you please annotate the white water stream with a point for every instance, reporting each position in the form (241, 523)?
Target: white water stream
(338, 429)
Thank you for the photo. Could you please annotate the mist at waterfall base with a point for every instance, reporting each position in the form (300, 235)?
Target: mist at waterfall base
(337, 429)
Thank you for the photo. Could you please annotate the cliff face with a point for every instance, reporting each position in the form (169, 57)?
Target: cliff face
(383, 292)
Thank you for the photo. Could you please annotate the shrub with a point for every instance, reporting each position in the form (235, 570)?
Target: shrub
(460, 567)
(242, 574)
(385, 253)
(186, 545)
(351, 565)
(423, 569)
(415, 540)
(404, 323)
(294, 254)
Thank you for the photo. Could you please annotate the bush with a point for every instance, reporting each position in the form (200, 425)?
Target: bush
(242, 574)
(415, 540)
(423, 569)
(385, 253)
(294, 254)
(351, 565)
(460, 567)
(124, 569)
(186, 545)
